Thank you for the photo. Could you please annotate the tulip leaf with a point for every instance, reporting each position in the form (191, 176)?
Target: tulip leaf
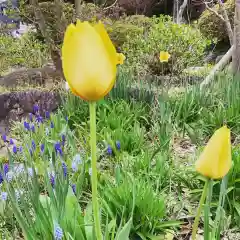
(125, 231)
(88, 221)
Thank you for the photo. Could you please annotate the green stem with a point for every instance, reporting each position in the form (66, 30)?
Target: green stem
(92, 107)
(207, 209)
(197, 218)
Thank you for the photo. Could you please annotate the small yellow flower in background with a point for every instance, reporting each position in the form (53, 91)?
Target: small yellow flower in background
(164, 56)
(120, 58)
(216, 159)
(89, 60)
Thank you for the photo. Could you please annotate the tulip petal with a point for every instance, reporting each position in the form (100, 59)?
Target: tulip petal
(120, 58)
(99, 27)
(215, 161)
(87, 66)
(69, 31)
(164, 56)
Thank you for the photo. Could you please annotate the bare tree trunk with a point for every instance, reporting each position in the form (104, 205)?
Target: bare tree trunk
(236, 40)
(181, 10)
(55, 54)
(78, 4)
(175, 10)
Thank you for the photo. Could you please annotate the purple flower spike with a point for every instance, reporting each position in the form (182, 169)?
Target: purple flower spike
(4, 138)
(39, 119)
(47, 114)
(33, 145)
(33, 128)
(52, 125)
(118, 145)
(31, 117)
(64, 166)
(63, 139)
(1, 178)
(58, 149)
(58, 232)
(52, 180)
(74, 188)
(20, 149)
(11, 141)
(5, 168)
(26, 125)
(109, 150)
(14, 149)
(42, 147)
(35, 108)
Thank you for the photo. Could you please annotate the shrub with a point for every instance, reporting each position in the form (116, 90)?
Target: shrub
(185, 44)
(212, 26)
(127, 27)
(25, 52)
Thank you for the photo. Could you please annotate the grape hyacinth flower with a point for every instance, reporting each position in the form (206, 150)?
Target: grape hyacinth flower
(118, 145)
(42, 147)
(58, 149)
(9, 176)
(5, 168)
(64, 166)
(52, 179)
(47, 131)
(52, 125)
(20, 149)
(4, 196)
(74, 188)
(63, 139)
(33, 128)
(58, 232)
(4, 138)
(33, 145)
(1, 178)
(26, 125)
(77, 159)
(47, 114)
(74, 166)
(39, 119)
(30, 117)
(30, 172)
(66, 118)
(35, 108)
(109, 150)
(14, 149)
(31, 152)
(19, 169)
(11, 141)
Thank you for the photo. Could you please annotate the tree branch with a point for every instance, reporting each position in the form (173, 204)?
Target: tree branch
(223, 17)
(181, 10)
(218, 67)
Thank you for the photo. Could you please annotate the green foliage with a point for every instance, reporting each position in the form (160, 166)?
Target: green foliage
(185, 44)
(149, 210)
(24, 52)
(212, 26)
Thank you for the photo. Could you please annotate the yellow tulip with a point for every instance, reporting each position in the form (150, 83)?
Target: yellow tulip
(216, 160)
(89, 60)
(120, 58)
(164, 56)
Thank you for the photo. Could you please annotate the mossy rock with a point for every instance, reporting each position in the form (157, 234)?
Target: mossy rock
(212, 26)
